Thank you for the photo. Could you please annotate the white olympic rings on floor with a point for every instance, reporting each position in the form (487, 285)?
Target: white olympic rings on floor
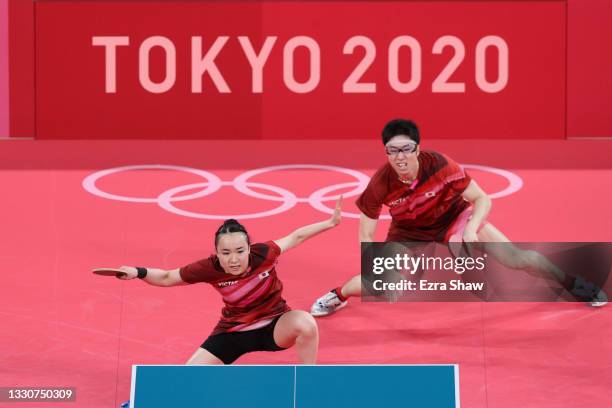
(241, 183)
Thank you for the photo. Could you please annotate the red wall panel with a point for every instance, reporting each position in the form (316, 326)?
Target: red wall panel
(21, 68)
(72, 101)
(71, 98)
(589, 68)
(4, 87)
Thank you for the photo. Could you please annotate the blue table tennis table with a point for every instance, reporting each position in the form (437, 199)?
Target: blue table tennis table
(295, 386)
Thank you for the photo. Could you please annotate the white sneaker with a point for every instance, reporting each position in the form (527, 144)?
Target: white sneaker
(327, 304)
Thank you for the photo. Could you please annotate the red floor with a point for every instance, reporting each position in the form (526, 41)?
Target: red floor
(62, 326)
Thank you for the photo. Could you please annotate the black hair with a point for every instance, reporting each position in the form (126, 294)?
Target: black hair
(398, 127)
(230, 226)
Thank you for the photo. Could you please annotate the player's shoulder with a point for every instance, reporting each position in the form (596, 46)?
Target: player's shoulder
(434, 157)
(265, 250)
(382, 174)
(437, 162)
(260, 247)
(203, 270)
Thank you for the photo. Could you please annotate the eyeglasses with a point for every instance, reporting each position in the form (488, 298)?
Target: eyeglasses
(395, 151)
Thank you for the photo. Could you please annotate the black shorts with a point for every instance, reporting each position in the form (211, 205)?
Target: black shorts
(227, 347)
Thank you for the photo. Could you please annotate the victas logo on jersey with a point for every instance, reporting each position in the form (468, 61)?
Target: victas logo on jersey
(226, 283)
(400, 200)
(396, 202)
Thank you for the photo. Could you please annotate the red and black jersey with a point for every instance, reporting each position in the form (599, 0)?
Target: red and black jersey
(423, 210)
(250, 297)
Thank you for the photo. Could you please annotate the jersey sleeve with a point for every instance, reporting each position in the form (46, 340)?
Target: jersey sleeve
(458, 178)
(274, 250)
(264, 253)
(199, 271)
(267, 252)
(370, 202)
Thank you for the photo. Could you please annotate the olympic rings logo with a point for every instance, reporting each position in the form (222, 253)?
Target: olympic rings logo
(242, 184)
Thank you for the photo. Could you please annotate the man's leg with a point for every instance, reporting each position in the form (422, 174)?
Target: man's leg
(532, 262)
(512, 257)
(337, 298)
(352, 287)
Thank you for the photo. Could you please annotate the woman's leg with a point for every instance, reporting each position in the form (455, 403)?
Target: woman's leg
(298, 328)
(203, 357)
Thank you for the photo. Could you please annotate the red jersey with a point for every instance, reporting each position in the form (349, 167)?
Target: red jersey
(423, 210)
(250, 297)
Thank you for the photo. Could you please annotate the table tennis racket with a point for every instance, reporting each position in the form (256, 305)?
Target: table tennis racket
(109, 272)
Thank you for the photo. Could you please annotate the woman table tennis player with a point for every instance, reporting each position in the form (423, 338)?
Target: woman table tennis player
(255, 316)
